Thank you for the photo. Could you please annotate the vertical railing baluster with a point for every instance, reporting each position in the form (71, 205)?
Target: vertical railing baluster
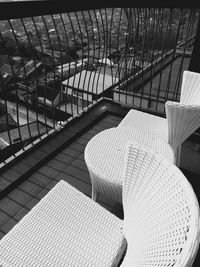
(23, 62)
(80, 91)
(68, 47)
(167, 91)
(91, 42)
(157, 30)
(57, 93)
(187, 32)
(75, 70)
(118, 61)
(162, 42)
(53, 59)
(106, 27)
(142, 15)
(4, 110)
(45, 72)
(36, 76)
(99, 21)
(5, 87)
(127, 54)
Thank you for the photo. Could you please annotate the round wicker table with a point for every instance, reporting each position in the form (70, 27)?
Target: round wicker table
(104, 157)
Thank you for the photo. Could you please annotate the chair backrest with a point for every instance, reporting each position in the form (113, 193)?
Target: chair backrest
(183, 120)
(184, 116)
(190, 88)
(161, 212)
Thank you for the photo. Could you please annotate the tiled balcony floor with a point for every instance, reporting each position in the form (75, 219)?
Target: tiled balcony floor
(69, 165)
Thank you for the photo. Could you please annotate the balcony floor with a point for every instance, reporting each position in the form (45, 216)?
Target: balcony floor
(67, 163)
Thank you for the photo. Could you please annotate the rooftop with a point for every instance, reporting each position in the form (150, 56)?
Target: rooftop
(91, 82)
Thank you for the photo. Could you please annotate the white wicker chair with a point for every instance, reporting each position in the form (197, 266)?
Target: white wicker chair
(161, 212)
(182, 118)
(66, 228)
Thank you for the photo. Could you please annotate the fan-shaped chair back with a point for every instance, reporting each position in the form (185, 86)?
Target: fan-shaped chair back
(161, 212)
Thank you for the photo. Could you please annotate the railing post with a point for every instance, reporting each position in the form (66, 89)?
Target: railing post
(194, 62)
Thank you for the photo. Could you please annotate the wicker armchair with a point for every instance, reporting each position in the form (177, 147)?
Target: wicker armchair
(161, 212)
(182, 118)
(66, 228)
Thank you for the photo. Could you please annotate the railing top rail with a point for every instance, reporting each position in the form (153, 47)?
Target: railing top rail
(23, 9)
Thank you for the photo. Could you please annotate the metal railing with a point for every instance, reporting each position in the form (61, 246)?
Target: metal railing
(54, 65)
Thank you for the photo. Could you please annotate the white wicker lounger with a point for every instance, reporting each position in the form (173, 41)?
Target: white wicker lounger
(65, 228)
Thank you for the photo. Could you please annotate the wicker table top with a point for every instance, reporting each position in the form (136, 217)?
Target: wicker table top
(104, 153)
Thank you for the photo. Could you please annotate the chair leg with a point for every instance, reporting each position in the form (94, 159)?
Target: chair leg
(178, 156)
(94, 194)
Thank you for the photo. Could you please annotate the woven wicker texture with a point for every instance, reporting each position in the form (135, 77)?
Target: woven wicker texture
(104, 157)
(146, 122)
(65, 228)
(190, 90)
(161, 221)
(183, 120)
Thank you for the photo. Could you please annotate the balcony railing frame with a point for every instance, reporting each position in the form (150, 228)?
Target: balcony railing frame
(23, 10)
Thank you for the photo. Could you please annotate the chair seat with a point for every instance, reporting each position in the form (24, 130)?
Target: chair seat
(147, 122)
(65, 228)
